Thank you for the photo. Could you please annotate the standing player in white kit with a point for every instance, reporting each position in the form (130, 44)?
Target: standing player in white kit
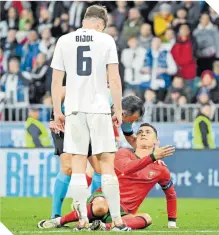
(85, 55)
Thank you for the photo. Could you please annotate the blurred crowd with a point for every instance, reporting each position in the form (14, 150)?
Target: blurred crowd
(168, 51)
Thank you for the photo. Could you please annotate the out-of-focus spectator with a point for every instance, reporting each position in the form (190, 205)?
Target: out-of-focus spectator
(45, 111)
(26, 17)
(120, 14)
(56, 9)
(159, 65)
(132, 25)
(208, 85)
(132, 59)
(214, 16)
(11, 22)
(3, 62)
(15, 84)
(113, 31)
(182, 100)
(180, 19)
(44, 20)
(173, 95)
(10, 44)
(60, 26)
(202, 129)
(30, 51)
(145, 36)
(202, 99)
(47, 44)
(144, 8)
(183, 54)
(19, 5)
(76, 13)
(216, 70)
(110, 20)
(193, 11)
(36, 135)
(38, 74)
(128, 92)
(162, 20)
(150, 99)
(206, 35)
(170, 40)
(178, 85)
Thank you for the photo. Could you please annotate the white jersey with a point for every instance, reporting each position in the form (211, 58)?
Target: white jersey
(84, 55)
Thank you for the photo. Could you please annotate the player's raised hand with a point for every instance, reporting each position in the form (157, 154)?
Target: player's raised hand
(160, 153)
(60, 122)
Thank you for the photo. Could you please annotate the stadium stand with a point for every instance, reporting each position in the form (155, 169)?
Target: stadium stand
(168, 53)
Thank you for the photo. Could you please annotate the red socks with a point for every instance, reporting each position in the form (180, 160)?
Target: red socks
(89, 180)
(137, 222)
(73, 216)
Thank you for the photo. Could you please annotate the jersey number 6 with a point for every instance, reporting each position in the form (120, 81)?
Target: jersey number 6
(84, 64)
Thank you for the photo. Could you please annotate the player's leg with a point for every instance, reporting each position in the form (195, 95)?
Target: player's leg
(61, 184)
(96, 180)
(89, 174)
(76, 141)
(97, 208)
(64, 176)
(137, 221)
(103, 145)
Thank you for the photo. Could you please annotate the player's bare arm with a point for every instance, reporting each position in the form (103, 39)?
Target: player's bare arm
(116, 92)
(171, 199)
(57, 93)
(128, 165)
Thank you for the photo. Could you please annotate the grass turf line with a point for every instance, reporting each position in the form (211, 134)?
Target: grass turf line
(195, 216)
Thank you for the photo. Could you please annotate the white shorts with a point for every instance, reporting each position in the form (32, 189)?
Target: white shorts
(84, 128)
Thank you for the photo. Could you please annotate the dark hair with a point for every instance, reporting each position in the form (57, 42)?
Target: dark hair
(206, 104)
(147, 124)
(132, 104)
(97, 11)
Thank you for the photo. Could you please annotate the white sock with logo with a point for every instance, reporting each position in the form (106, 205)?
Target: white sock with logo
(80, 194)
(110, 187)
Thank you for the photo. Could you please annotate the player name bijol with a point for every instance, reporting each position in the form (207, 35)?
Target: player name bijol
(84, 38)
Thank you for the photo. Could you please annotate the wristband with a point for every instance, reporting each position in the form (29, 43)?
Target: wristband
(152, 157)
(127, 128)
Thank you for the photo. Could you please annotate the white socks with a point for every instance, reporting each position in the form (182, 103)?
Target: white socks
(110, 187)
(80, 194)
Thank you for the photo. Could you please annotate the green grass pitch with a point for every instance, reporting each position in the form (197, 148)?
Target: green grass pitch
(195, 216)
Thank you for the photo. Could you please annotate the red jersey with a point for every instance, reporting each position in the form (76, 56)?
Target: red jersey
(138, 176)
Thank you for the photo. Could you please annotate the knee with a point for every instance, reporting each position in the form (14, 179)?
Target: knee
(100, 207)
(66, 170)
(147, 218)
(66, 164)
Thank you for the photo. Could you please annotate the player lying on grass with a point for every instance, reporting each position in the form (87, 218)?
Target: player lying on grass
(132, 109)
(138, 172)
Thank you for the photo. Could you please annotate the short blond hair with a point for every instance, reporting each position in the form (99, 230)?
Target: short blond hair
(97, 11)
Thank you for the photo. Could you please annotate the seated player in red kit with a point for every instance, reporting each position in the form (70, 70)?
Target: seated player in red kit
(138, 172)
